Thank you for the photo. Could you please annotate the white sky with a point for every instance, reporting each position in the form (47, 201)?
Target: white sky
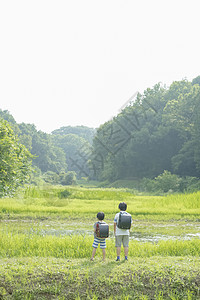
(77, 62)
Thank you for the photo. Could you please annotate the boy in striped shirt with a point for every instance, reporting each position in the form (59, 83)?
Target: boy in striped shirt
(97, 240)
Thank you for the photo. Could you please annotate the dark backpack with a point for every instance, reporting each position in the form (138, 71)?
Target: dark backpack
(124, 221)
(102, 230)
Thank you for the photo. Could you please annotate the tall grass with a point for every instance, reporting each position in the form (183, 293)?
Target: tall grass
(80, 246)
(76, 201)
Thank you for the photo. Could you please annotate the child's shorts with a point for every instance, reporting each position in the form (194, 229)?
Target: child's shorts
(98, 241)
(121, 239)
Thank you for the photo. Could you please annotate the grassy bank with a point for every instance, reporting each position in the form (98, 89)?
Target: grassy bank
(53, 278)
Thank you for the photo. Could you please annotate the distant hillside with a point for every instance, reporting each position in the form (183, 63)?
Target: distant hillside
(82, 131)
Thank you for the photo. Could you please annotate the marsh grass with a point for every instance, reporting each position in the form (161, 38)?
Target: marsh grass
(84, 202)
(14, 244)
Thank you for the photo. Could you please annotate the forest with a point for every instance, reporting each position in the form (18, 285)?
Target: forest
(153, 144)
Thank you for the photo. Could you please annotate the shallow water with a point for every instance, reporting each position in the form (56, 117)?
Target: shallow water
(141, 231)
(137, 236)
(161, 237)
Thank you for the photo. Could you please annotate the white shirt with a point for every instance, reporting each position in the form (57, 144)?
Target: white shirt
(120, 231)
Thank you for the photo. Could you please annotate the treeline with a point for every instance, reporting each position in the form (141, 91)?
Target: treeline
(155, 136)
(158, 131)
(55, 158)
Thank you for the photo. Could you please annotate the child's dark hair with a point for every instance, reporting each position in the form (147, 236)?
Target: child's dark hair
(100, 216)
(122, 206)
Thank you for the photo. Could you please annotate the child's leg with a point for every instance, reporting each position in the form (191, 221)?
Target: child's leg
(95, 246)
(118, 251)
(118, 241)
(125, 244)
(104, 253)
(103, 247)
(93, 253)
(126, 251)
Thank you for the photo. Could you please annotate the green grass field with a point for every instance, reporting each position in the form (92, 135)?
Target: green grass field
(46, 236)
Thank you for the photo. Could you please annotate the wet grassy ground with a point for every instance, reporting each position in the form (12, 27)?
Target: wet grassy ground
(142, 231)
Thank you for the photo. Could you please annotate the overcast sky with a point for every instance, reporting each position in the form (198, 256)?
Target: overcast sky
(77, 62)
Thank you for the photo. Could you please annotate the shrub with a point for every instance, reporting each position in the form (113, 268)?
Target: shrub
(68, 178)
(50, 177)
(64, 194)
(167, 182)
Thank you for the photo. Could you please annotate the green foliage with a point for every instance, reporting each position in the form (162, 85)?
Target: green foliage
(158, 131)
(196, 80)
(64, 194)
(50, 177)
(15, 161)
(36, 177)
(48, 157)
(167, 181)
(62, 178)
(181, 115)
(68, 178)
(77, 151)
(81, 131)
(5, 115)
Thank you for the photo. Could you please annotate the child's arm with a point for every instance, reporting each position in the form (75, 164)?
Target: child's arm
(115, 226)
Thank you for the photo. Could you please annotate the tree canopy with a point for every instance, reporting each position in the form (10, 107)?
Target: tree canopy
(81, 131)
(159, 131)
(15, 161)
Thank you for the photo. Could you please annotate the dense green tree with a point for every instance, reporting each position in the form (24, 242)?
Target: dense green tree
(77, 151)
(68, 178)
(50, 177)
(159, 131)
(181, 115)
(126, 143)
(48, 157)
(15, 161)
(196, 131)
(196, 80)
(5, 114)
